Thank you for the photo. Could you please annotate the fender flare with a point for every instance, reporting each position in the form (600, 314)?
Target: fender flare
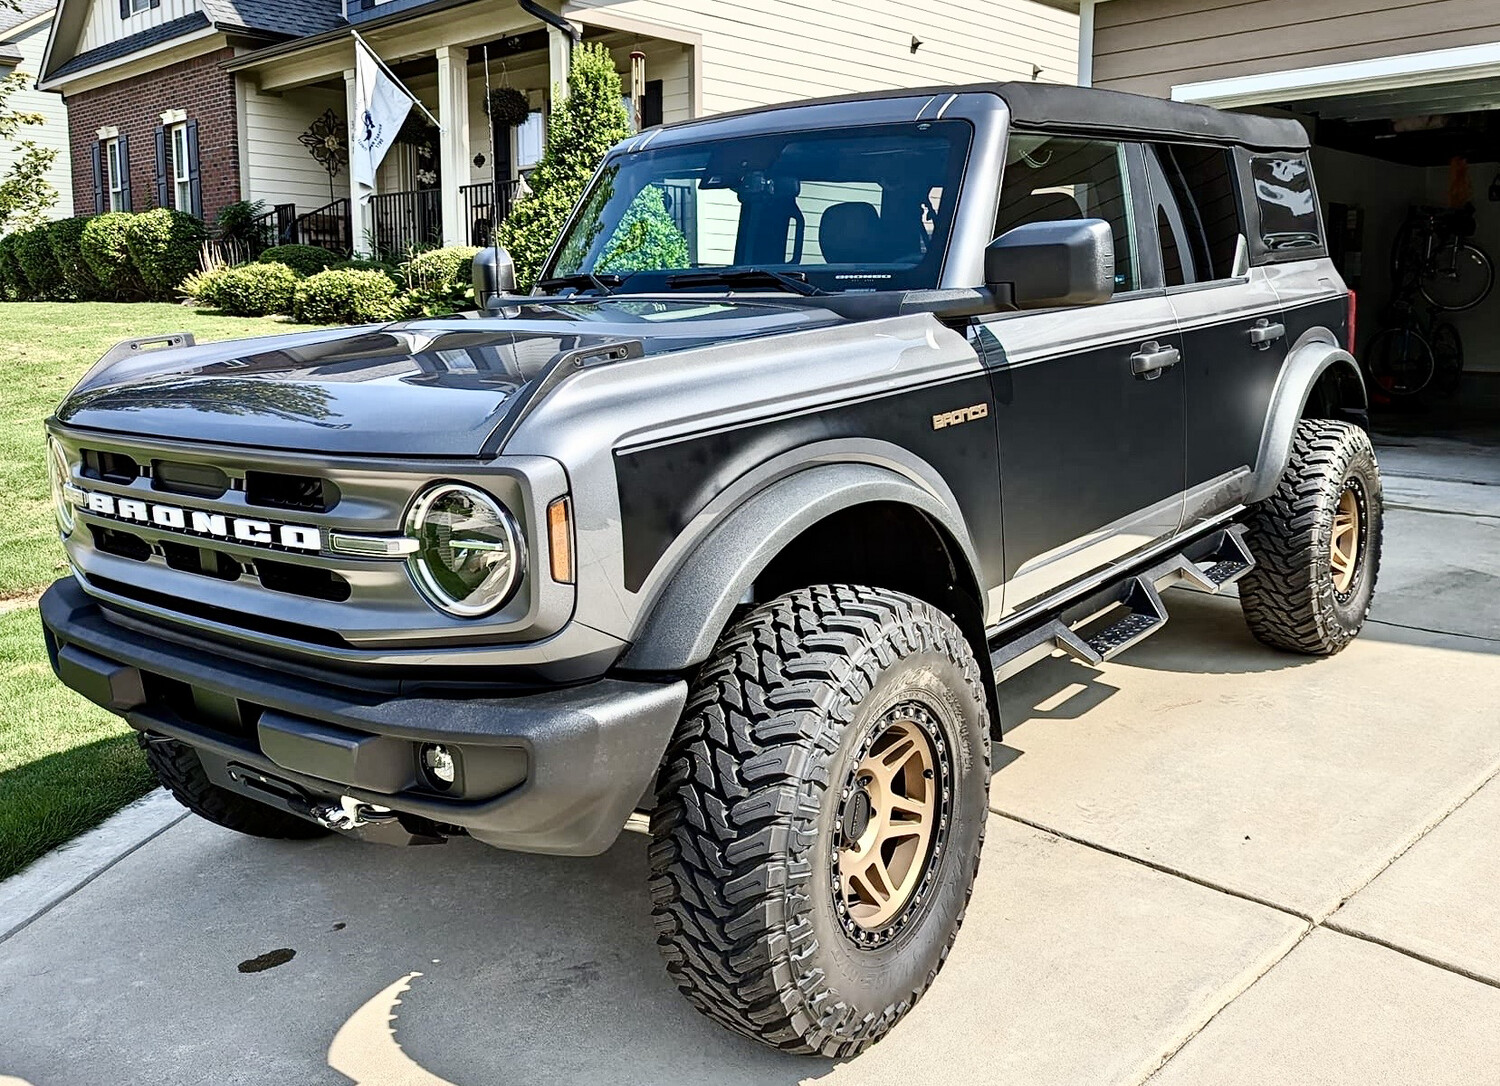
(685, 621)
(1310, 358)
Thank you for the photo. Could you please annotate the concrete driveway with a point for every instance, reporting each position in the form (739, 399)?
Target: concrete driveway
(1208, 863)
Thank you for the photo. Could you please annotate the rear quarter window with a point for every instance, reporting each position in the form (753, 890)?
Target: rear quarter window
(1286, 201)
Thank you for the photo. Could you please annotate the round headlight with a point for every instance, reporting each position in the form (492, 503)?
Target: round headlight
(470, 555)
(58, 476)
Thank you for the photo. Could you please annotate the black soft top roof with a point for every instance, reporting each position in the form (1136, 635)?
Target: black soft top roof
(1088, 109)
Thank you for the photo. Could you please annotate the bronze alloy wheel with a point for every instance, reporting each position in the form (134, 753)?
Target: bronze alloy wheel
(893, 818)
(1347, 539)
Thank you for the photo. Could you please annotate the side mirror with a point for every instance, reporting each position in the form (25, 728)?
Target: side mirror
(1043, 264)
(494, 275)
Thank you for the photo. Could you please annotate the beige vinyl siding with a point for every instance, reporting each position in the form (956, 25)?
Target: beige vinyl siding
(104, 25)
(278, 169)
(53, 131)
(1150, 46)
(756, 52)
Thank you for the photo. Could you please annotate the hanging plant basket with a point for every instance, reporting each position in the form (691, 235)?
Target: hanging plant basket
(416, 130)
(507, 106)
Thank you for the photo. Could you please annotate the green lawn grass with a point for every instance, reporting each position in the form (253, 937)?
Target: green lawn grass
(64, 764)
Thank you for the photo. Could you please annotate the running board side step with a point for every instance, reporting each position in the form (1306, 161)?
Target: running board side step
(1106, 623)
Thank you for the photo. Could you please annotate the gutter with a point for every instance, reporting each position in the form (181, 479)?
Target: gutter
(552, 19)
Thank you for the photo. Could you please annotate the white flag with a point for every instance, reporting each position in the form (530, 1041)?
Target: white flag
(380, 107)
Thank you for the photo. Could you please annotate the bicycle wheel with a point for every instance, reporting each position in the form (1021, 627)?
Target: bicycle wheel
(1400, 362)
(1460, 276)
(1447, 358)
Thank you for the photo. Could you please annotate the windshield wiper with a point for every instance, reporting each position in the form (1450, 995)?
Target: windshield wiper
(796, 282)
(604, 283)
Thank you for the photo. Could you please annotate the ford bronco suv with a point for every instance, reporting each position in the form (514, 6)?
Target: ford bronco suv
(822, 420)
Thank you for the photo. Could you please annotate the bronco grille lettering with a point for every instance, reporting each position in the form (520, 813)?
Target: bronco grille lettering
(251, 530)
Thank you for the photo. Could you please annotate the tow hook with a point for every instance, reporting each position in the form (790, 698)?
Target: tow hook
(374, 823)
(351, 814)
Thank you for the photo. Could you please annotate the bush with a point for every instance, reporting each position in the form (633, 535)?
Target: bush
(237, 226)
(164, 246)
(361, 264)
(200, 285)
(579, 132)
(34, 253)
(440, 278)
(107, 253)
(13, 284)
(250, 290)
(303, 259)
(66, 238)
(345, 296)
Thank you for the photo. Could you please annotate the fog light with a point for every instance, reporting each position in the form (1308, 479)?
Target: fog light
(439, 764)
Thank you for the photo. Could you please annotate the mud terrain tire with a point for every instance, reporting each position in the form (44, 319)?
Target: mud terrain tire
(1316, 543)
(759, 808)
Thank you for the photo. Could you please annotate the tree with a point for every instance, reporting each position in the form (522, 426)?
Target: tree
(25, 192)
(581, 129)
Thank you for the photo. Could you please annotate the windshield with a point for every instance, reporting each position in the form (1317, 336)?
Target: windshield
(836, 209)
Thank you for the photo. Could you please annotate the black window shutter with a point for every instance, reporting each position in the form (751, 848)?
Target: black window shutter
(163, 174)
(126, 204)
(651, 103)
(96, 158)
(124, 9)
(195, 177)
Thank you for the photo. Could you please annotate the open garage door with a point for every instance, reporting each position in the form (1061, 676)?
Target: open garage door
(1407, 156)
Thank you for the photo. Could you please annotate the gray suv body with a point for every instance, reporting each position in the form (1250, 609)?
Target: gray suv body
(1009, 357)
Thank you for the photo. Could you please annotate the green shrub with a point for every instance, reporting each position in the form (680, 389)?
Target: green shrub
(200, 285)
(439, 279)
(34, 252)
(107, 253)
(358, 263)
(345, 296)
(66, 238)
(164, 246)
(13, 284)
(579, 131)
(237, 225)
(303, 259)
(249, 290)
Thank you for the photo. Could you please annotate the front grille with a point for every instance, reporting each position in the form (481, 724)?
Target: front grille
(121, 544)
(193, 480)
(318, 584)
(204, 560)
(295, 631)
(111, 467)
(277, 490)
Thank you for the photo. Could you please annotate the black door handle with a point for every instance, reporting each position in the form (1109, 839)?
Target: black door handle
(1152, 360)
(1263, 333)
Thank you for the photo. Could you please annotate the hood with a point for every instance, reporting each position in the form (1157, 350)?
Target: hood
(421, 388)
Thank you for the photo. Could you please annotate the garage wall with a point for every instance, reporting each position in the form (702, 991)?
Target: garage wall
(1480, 326)
(1149, 46)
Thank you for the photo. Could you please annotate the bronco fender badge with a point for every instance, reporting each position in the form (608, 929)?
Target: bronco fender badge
(962, 415)
(174, 518)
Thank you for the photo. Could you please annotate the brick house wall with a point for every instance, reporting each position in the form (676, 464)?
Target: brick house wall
(198, 86)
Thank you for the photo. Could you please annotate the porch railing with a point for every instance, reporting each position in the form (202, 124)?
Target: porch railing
(327, 226)
(404, 222)
(275, 227)
(485, 206)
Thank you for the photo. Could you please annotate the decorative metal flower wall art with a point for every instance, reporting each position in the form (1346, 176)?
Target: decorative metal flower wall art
(328, 143)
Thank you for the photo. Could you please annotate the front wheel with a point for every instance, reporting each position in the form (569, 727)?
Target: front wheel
(819, 817)
(1460, 276)
(1316, 543)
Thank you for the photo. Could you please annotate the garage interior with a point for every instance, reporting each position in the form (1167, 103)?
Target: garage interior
(1376, 155)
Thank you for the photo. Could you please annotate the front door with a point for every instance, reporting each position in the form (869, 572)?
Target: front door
(1090, 403)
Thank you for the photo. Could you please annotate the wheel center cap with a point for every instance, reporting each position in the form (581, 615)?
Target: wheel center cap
(858, 810)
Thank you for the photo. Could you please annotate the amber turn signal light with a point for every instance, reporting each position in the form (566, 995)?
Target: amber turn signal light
(560, 539)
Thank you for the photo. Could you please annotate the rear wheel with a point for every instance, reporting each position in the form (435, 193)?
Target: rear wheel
(1316, 543)
(1400, 362)
(819, 817)
(1459, 277)
(177, 767)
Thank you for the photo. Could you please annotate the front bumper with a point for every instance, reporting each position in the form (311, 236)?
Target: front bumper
(556, 771)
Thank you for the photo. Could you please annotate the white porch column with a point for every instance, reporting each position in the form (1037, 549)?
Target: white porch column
(359, 209)
(559, 54)
(453, 143)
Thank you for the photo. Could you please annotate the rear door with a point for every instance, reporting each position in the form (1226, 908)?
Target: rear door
(1091, 451)
(1233, 339)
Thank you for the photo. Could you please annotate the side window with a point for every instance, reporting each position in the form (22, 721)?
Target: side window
(1201, 181)
(1285, 200)
(1048, 178)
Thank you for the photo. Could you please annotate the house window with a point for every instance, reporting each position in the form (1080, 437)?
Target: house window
(137, 6)
(114, 180)
(530, 139)
(182, 184)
